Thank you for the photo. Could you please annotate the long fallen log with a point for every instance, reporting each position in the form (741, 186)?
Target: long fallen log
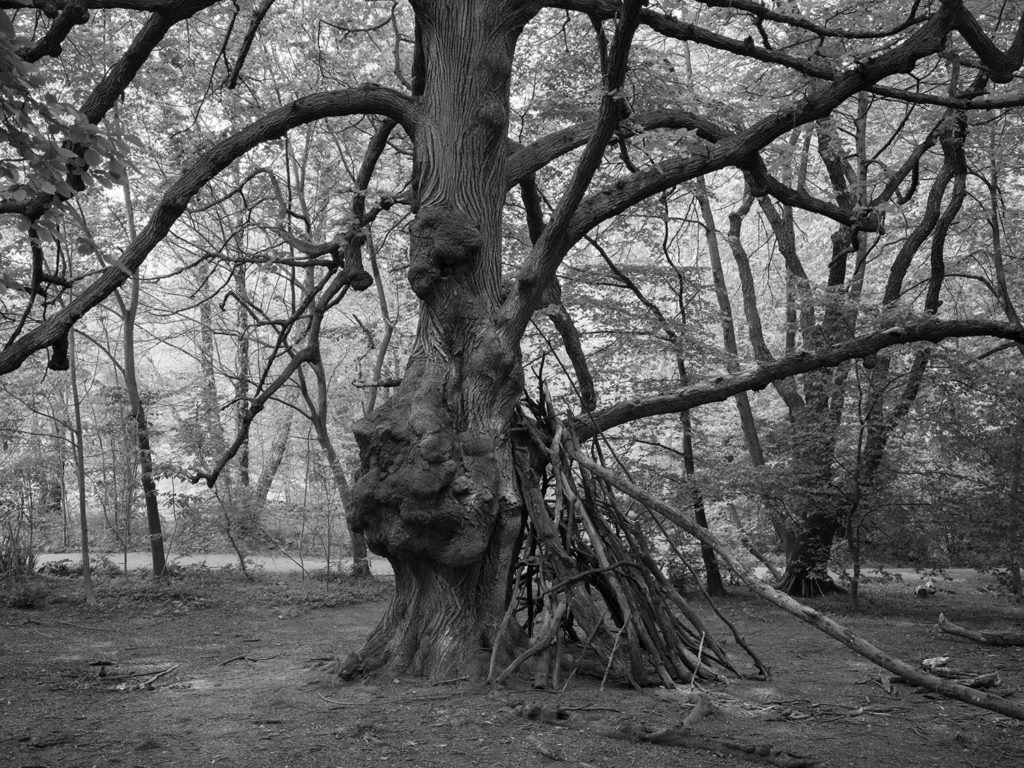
(803, 612)
(988, 638)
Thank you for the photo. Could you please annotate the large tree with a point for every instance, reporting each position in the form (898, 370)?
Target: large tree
(447, 463)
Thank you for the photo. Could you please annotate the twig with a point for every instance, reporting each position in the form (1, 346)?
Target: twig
(584, 574)
(500, 637)
(158, 675)
(450, 680)
(243, 657)
(615, 647)
(700, 652)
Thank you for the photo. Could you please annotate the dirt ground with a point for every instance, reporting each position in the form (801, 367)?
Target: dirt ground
(216, 671)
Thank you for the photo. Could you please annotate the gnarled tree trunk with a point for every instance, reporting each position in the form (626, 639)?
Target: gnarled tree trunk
(437, 493)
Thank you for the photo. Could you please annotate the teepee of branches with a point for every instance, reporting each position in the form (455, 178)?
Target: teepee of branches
(588, 593)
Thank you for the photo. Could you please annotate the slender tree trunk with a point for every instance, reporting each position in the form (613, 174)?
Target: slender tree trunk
(318, 414)
(242, 372)
(138, 413)
(742, 400)
(715, 585)
(211, 430)
(273, 461)
(786, 389)
(79, 445)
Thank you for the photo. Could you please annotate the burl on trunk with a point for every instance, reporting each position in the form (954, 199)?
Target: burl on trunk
(437, 491)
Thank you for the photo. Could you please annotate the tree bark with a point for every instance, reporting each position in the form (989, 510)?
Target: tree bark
(437, 493)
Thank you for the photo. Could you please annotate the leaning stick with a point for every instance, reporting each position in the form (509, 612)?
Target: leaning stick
(803, 612)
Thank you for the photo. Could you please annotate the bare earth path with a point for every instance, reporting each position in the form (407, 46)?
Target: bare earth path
(218, 674)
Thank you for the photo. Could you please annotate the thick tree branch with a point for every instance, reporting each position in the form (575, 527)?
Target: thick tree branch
(525, 160)
(1002, 66)
(557, 313)
(250, 34)
(115, 81)
(368, 99)
(531, 158)
(760, 11)
(119, 76)
(51, 44)
(360, 223)
(538, 270)
(739, 149)
(722, 388)
(153, 6)
(667, 26)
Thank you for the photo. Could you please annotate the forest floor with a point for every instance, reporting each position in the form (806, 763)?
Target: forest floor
(210, 669)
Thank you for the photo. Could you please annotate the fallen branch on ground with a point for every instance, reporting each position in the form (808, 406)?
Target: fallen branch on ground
(146, 684)
(988, 638)
(967, 679)
(804, 612)
(678, 737)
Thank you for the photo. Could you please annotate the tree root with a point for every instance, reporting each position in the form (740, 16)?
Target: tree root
(679, 737)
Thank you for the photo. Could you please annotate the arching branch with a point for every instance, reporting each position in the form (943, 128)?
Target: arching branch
(722, 388)
(367, 99)
(740, 148)
(114, 82)
(538, 270)
(1002, 65)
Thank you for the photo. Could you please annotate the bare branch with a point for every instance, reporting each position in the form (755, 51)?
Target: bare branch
(724, 387)
(73, 14)
(1002, 66)
(539, 268)
(367, 99)
(250, 34)
(739, 149)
